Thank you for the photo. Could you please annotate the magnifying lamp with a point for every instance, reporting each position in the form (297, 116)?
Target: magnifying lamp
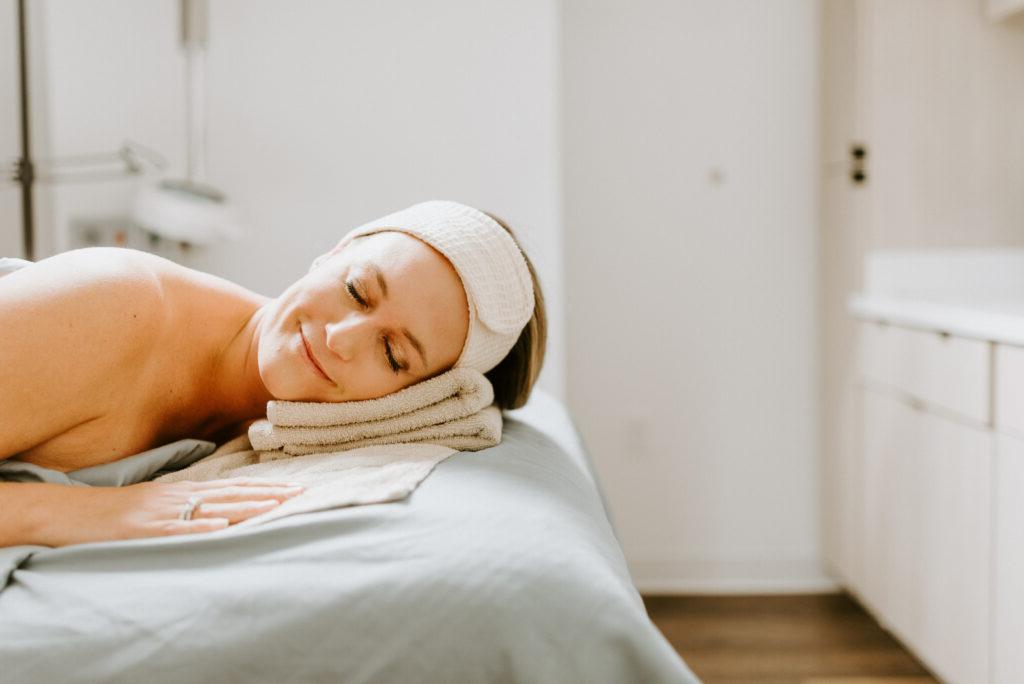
(189, 209)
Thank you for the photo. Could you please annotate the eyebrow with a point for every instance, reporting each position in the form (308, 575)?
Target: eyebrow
(379, 275)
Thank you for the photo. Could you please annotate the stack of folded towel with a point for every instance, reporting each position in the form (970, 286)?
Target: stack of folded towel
(453, 409)
(358, 452)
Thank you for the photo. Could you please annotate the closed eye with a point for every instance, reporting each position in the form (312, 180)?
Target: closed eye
(355, 294)
(395, 366)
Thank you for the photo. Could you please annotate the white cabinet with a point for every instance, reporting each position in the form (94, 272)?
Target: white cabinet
(936, 548)
(953, 501)
(1008, 590)
(891, 448)
(1009, 390)
(945, 372)
(926, 533)
(936, 551)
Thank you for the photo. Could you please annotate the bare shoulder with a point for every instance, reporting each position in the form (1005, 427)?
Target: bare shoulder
(71, 323)
(84, 292)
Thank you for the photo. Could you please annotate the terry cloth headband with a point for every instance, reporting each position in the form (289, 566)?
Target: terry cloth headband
(492, 268)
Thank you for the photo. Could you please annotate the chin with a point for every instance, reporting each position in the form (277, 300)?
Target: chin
(284, 382)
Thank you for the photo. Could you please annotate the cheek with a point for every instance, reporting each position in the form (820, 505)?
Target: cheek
(451, 337)
(280, 368)
(274, 368)
(364, 381)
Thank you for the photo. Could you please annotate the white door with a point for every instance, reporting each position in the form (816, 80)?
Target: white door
(690, 167)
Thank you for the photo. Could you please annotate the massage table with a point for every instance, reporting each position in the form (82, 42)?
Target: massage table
(502, 566)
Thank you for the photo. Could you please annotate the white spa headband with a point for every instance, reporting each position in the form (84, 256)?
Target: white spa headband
(492, 268)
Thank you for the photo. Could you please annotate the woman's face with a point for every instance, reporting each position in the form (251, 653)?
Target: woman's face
(384, 312)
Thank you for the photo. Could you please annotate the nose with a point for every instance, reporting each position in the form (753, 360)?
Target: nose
(350, 336)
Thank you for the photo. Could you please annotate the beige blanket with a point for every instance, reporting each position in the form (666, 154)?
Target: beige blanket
(358, 476)
(358, 452)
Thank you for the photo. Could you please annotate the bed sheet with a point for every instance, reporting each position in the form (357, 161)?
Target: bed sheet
(501, 567)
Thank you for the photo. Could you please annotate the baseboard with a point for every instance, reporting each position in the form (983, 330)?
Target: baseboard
(746, 576)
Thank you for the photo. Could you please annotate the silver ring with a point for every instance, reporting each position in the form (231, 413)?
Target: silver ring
(193, 503)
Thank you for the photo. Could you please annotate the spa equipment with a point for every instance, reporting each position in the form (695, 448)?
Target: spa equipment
(185, 210)
(189, 209)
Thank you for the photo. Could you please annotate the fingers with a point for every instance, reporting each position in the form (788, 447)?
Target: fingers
(226, 502)
(174, 527)
(209, 517)
(253, 493)
(243, 482)
(234, 512)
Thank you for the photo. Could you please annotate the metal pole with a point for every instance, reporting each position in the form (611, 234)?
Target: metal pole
(26, 173)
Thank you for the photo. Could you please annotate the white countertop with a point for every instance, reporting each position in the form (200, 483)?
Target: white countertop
(974, 293)
(994, 321)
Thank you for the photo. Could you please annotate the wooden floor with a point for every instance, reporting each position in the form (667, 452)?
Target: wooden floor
(805, 639)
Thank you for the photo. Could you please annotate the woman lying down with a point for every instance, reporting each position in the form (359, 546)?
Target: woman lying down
(108, 352)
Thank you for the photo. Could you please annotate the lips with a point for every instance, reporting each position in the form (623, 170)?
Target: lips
(309, 356)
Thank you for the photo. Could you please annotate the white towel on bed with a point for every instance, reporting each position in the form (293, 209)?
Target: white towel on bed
(367, 475)
(452, 409)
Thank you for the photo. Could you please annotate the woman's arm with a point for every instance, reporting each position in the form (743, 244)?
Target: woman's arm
(57, 515)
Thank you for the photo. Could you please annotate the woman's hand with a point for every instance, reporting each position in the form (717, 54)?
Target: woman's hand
(152, 509)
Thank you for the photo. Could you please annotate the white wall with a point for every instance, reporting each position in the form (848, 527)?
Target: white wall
(940, 105)
(690, 158)
(324, 115)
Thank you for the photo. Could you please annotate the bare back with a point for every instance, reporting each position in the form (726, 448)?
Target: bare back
(103, 355)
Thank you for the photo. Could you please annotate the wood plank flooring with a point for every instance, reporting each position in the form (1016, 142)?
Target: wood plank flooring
(789, 639)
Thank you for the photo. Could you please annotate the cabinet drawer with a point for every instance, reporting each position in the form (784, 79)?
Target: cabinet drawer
(944, 371)
(1009, 399)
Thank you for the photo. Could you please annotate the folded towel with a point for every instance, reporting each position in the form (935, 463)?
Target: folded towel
(367, 475)
(457, 392)
(470, 433)
(452, 409)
